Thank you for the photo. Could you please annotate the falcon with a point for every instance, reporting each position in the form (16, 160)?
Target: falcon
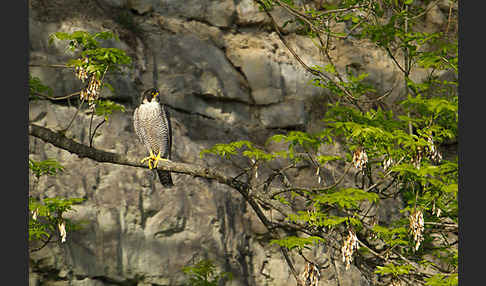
(152, 125)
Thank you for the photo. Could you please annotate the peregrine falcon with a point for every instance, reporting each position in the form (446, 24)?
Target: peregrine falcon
(152, 125)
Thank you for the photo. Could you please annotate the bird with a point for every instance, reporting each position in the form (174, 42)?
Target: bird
(151, 121)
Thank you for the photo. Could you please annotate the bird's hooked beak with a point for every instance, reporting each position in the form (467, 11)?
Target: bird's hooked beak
(155, 94)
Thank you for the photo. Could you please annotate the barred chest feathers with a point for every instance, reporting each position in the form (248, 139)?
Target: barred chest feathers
(151, 116)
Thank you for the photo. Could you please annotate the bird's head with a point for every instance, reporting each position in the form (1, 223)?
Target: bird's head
(150, 95)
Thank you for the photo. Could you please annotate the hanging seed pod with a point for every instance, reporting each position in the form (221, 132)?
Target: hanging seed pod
(318, 174)
(91, 92)
(350, 244)
(395, 282)
(360, 158)
(417, 159)
(311, 275)
(387, 163)
(81, 72)
(35, 213)
(433, 151)
(416, 220)
(62, 231)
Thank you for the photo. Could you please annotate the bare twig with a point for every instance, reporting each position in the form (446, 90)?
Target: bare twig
(58, 98)
(94, 132)
(75, 114)
(311, 190)
(452, 225)
(42, 246)
(49, 66)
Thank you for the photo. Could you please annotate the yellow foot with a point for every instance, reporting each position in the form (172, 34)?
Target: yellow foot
(153, 160)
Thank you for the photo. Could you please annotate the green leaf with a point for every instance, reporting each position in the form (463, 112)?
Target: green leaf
(204, 273)
(294, 242)
(345, 198)
(392, 236)
(443, 280)
(36, 87)
(323, 159)
(106, 108)
(49, 212)
(394, 269)
(45, 167)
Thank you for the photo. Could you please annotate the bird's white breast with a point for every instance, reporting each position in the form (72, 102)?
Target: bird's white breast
(155, 130)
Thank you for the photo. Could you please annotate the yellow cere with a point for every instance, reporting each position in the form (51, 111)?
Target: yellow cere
(155, 94)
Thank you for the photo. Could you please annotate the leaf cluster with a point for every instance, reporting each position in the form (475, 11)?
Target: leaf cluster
(36, 88)
(48, 214)
(45, 167)
(297, 243)
(394, 269)
(106, 107)
(244, 148)
(99, 59)
(204, 273)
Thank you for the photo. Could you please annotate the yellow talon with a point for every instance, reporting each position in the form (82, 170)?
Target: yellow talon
(157, 158)
(150, 159)
(153, 160)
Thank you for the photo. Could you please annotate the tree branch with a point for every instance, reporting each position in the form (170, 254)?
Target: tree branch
(83, 151)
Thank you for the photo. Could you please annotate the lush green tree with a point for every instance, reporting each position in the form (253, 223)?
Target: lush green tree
(393, 152)
(46, 219)
(205, 273)
(93, 62)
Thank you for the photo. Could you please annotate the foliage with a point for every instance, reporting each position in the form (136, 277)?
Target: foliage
(393, 152)
(293, 242)
(46, 167)
(89, 44)
(243, 147)
(106, 107)
(393, 269)
(346, 198)
(36, 88)
(46, 215)
(93, 63)
(204, 273)
(442, 280)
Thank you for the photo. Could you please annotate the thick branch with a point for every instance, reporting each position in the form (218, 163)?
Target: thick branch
(83, 151)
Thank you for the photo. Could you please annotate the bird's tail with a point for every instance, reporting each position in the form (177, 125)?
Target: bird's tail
(165, 178)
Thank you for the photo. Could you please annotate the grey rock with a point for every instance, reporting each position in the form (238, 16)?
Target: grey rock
(272, 74)
(219, 13)
(248, 13)
(33, 279)
(297, 83)
(264, 77)
(283, 115)
(435, 15)
(117, 3)
(446, 5)
(141, 6)
(89, 282)
(187, 71)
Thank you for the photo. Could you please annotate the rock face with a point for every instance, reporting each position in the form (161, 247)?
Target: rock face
(224, 79)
